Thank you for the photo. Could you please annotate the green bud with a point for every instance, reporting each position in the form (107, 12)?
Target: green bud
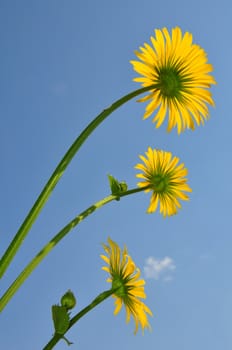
(68, 300)
(116, 186)
(123, 186)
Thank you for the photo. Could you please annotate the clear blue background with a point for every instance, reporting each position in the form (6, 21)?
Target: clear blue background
(61, 63)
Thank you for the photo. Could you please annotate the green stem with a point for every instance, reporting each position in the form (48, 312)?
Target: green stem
(58, 172)
(100, 298)
(54, 241)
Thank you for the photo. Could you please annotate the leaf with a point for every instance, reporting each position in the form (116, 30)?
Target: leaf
(60, 318)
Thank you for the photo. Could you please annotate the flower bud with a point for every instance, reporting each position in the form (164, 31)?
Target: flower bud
(68, 300)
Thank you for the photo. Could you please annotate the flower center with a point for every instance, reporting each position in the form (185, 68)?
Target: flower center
(119, 284)
(160, 183)
(169, 82)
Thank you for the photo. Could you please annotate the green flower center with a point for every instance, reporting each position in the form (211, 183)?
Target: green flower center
(169, 82)
(160, 183)
(120, 285)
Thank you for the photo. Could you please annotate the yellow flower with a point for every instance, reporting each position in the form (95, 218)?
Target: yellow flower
(124, 275)
(165, 178)
(178, 70)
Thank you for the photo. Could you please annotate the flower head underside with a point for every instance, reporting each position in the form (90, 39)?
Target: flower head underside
(129, 289)
(167, 180)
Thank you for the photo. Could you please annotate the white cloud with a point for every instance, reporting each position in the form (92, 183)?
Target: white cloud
(159, 268)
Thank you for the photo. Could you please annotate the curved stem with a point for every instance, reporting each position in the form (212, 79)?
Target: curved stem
(58, 172)
(55, 240)
(100, 298)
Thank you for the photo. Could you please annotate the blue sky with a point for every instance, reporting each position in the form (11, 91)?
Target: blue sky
(63, 62)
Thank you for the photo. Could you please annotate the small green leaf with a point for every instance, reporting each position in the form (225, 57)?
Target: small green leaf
(60, 318)
(114, 184)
